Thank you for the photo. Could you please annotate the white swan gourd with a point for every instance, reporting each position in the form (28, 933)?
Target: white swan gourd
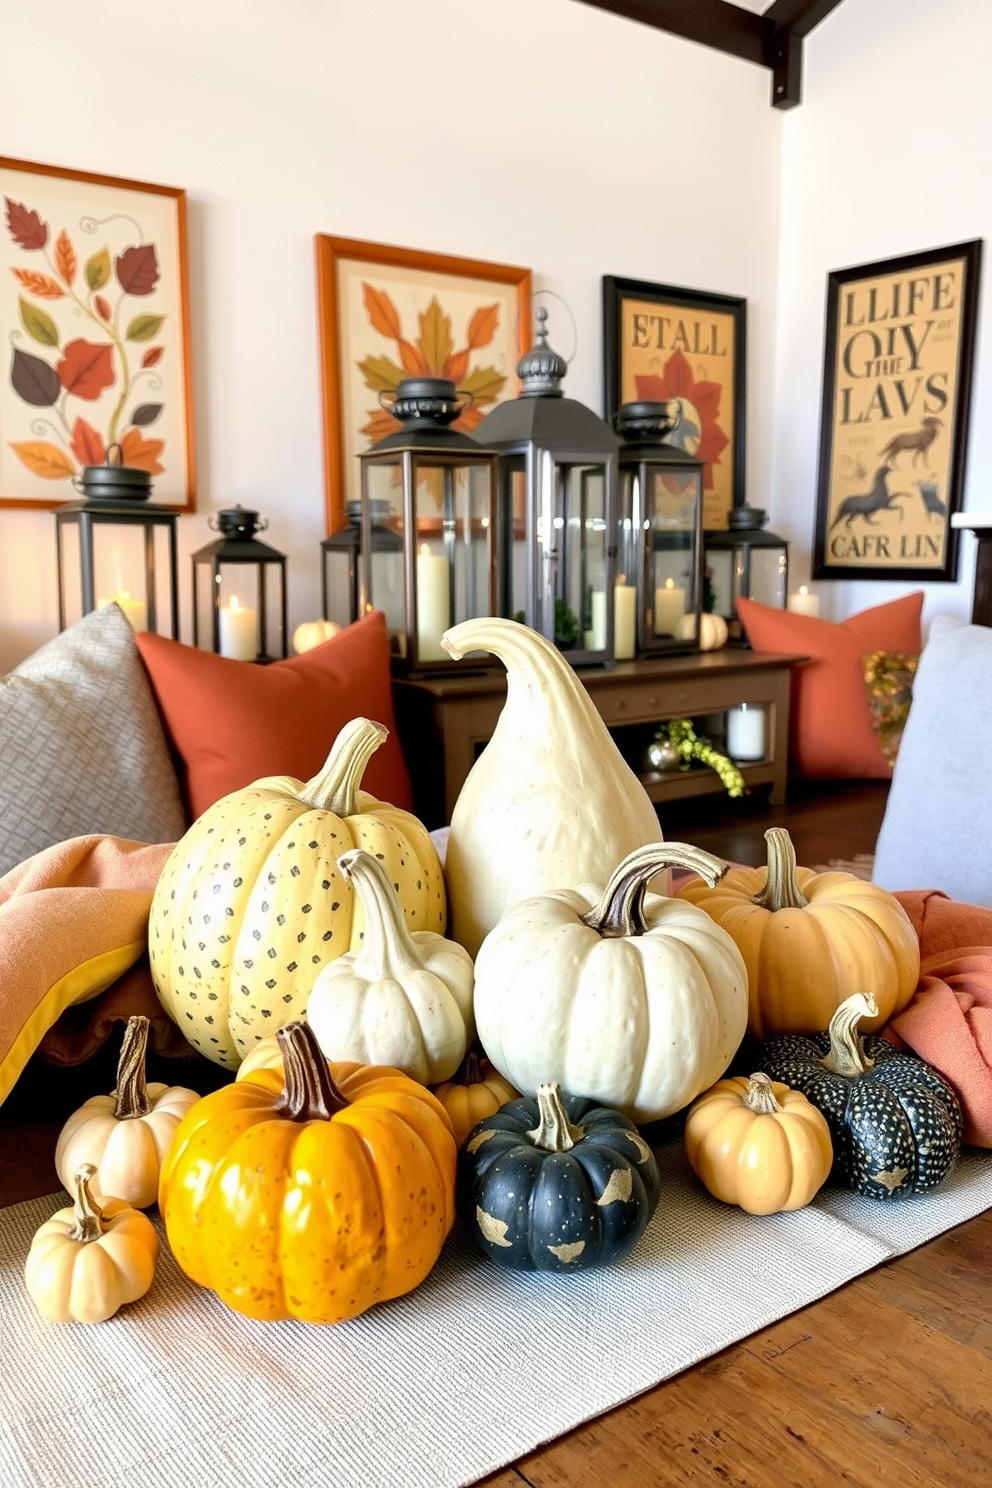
(550, 801)
(613, 993)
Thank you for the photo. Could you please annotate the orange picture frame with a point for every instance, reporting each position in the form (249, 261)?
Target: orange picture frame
(94, 304)
(386, 312)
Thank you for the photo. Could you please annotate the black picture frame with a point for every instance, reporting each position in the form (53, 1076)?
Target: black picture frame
(898, 361)
(645, 326)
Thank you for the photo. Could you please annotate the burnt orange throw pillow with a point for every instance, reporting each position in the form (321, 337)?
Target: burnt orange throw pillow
(232, 722)
(831, 736)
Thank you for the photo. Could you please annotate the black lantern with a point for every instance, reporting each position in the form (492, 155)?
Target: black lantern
(340, 562)
(556, 474)
(427, 556)
(239, 590)
(659, 530)
(746, 560)
(112, 545)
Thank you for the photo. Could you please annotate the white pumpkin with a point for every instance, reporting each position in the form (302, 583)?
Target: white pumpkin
(614, 993)
(313, 633)
(125, 1135)
(404, 998)
(713, 632)
(550, 800)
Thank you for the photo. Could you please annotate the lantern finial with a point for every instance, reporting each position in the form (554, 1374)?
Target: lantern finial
(541, 369)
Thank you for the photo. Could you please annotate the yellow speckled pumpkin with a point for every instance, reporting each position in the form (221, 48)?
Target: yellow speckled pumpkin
(251, 904)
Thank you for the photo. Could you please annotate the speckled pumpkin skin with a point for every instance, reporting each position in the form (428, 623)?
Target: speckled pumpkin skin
(251, 905)
(319, 1219)
(534, 1210)
(896, 1129)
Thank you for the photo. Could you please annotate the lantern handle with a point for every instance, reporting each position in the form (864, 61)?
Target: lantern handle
(465, 394)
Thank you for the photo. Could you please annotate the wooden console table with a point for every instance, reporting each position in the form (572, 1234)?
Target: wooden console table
(444, 722)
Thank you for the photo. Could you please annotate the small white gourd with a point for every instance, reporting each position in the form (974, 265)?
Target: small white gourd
(550, 801)
(404, 998)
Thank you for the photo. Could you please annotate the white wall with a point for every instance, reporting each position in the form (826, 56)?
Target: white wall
(887, 155)
(536, 132)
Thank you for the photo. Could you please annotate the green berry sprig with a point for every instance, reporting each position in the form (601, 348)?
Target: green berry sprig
(690, 746)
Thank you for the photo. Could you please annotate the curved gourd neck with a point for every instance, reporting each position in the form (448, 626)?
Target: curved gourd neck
(387, 949)
(335, 787)
(537, 675)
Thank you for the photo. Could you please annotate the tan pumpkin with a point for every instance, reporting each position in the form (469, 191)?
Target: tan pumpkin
(475, 1091)
(811, 940)
(125, 1135)
(757, 1144)
(88, 1261)
(251, 904)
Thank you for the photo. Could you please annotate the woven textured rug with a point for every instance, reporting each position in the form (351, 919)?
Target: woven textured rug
(435, 1390)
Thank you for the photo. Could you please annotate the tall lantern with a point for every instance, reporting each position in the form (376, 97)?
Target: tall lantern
(239, 590)
(556, 475)
(113, 545)
(340, 562)
(659, 529)
(746, 560)
(427, 524)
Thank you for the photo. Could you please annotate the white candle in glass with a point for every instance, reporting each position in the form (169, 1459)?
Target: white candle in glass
(134, 609)
(803, 603)
(624, 620)
(433, 604)
(596, 638)
(746, 732)
(669, 608)
(238, 631)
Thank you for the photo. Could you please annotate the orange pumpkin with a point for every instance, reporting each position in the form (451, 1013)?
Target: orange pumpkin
(811, 940)
(311, 1196)
(475, 1091)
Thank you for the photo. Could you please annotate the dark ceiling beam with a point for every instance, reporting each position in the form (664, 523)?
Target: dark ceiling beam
(773, 40)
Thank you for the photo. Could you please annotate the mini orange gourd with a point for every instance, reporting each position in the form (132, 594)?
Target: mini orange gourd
(475, 1092)
(312, 1194)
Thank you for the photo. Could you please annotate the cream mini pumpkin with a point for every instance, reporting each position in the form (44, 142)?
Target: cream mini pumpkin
(125, 1135)
(251, 904)
(314, 633)
(713, 632)
(613, 993)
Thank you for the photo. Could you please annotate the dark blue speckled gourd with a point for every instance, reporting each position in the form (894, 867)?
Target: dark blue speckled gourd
(556, 1183)
(894, 1121)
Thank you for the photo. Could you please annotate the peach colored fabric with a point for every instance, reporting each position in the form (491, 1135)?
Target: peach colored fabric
(949, 1021)
(232, 722)
(60, 910)
(830, 722)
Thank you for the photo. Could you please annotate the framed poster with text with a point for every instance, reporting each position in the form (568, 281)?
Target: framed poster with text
(662, 344)
(900, 338)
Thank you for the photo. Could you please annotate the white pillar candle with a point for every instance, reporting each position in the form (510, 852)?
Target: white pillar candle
(803, 603)
(238, 631)
(596, 638)
(433, 604)
(669, 608)
(134, 609)
(624, 621)
(746, 732)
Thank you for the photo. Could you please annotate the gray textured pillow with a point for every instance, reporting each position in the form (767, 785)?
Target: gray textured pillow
(937, 828)
(81, 745)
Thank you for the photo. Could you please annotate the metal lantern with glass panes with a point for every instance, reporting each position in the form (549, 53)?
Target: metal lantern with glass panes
(659, 531)
(340, 570)
(746, 560)
(239, 590)
(113, 545)
(427, 524)
(556, 488)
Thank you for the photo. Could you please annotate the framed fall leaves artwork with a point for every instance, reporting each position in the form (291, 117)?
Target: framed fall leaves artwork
(94, 311)
(387, 313)
(662, 344)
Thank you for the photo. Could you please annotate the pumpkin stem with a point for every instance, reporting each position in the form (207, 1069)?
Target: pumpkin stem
(760, 1096)
(781, 889)
(470, 1072)
(387, 948)
(335, 787)
(131, 1094)
(309, 1092)
(86, 1212)
(554, 1132)
(620, 911)
(846, 1055)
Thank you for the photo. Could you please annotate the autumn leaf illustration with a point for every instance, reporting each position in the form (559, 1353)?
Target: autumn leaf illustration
(152, 356)
(700, 401)
(38, 323)
(102, 307)
(65, 257)
(34, 380)
(86, 443)
(381, 374)
(25, 227)
(435, 337)
(141, 453)
(86, 369)
(41, 285)
(137, 269)
(482, 327)
(44, 459)
(97, 270)
(382, 313)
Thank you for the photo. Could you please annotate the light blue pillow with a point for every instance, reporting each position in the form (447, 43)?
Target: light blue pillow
(937, 829)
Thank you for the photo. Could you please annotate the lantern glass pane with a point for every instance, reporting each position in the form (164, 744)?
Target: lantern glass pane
(720, 563)
(383, 489)
(70, 573)
(338, 564)
(452, 507)
(119, 570)
(580, 544)
(511, 501)
(670, 521)
(768, 577)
